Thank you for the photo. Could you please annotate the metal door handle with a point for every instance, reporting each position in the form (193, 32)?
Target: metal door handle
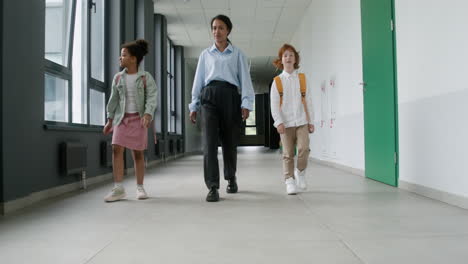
(363, 84)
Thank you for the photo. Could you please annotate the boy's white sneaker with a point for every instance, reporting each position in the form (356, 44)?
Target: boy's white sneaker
(290, 186)
(300, 179)
(117, 193)
(141, 193)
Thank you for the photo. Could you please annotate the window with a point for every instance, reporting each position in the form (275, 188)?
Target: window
(250, 124)
(79, 86)
(179, 89)
(97, 40)
(97, 104)
(173, 92)
(171, 96)
(58, 30)
(56, 98)
(97, 58)
(74, 78)
(58, 35)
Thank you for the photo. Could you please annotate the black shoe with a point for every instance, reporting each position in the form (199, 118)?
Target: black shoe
(213, 195)
(232, 186)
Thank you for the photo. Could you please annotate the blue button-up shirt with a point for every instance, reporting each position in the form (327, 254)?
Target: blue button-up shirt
(229, 66)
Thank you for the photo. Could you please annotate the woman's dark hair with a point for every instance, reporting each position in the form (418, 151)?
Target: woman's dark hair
(137, 48)
(225, 20)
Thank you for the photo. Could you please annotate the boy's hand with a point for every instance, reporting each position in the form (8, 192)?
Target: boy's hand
(311, 128)
(281, 129)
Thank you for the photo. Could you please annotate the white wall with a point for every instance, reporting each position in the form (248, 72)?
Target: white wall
(192, 132)
(432, 62)
(432, 59)
(329, 42)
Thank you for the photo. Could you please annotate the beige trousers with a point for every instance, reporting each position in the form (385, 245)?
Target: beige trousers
(295, 136)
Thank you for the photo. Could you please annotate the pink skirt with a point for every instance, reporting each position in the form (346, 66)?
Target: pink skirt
(131, 133)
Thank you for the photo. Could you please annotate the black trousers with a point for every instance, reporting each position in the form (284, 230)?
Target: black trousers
(221, 120)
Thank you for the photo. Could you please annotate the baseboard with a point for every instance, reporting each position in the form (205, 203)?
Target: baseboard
(173, 157)
(153, 163)
(149, 165)
(351, 170)
(449, 198)
(36, 197)
(195, 152)
(33, 198)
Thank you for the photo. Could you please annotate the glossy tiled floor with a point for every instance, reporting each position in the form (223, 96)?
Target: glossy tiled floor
(341, 219)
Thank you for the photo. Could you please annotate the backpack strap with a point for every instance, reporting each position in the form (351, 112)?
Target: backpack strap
(279, 87)
(302, 83)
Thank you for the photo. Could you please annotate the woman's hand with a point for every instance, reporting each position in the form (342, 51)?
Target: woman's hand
(145, 121)
(311, 128)
(193, 117)
(281, 129)
(108, 127)
(245, 113)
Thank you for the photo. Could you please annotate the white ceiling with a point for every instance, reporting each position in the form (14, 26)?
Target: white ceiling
(260, 27)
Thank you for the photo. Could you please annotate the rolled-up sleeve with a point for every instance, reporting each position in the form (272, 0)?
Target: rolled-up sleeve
(198, 84)
(247, 91)
(151, 95)
(275, 106)
(113, 100)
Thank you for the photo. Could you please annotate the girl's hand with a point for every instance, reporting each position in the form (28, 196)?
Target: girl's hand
(311, 128)
(145, 121)
(108, 127)
(281, 129)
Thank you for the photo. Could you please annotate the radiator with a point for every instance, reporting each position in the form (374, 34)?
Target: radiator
(73, 157)
(180, 143)
(106, 153)
(159, 148)
(171, 146)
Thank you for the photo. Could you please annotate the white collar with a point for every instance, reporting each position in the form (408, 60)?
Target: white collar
(287, 75)
(229, 48)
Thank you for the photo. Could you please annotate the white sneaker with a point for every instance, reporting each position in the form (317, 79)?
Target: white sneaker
(117, 193)
(300, 179)
(290, 186)
(141, 193)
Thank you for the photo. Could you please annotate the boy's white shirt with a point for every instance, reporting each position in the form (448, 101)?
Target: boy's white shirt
(291, 113)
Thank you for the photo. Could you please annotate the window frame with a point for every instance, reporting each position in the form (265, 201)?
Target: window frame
(94, 84)
(254, 112)
(61, 71)
(171, 89)
(66, 73)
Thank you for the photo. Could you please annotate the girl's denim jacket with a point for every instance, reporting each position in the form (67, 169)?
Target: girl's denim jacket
(146, 97)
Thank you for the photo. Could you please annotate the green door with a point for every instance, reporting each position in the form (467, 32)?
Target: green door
(379, 88)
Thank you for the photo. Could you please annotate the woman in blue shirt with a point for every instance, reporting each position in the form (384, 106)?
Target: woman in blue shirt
(222, 90)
